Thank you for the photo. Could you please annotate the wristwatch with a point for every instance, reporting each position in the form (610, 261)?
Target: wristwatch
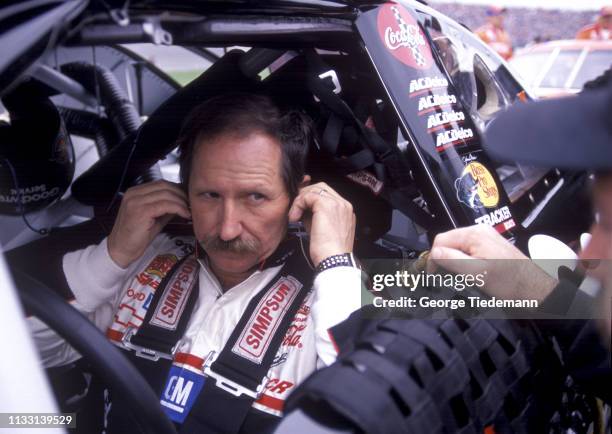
(342, 260)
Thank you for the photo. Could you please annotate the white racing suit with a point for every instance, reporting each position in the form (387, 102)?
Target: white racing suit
(116, 299)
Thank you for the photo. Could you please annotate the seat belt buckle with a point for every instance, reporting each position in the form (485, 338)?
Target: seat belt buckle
(334, 79)
(228, 385)
(145, 353)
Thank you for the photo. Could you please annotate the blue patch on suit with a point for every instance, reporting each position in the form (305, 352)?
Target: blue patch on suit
(180, 392)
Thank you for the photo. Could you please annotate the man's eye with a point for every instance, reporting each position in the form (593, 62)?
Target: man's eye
(256, 197)
(209, 195)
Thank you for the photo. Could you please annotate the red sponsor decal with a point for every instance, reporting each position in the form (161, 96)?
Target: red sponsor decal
(174, 298)
(265, 320)
(505, 226)
(277, 385)
(114, 335)
(136, 295)
(147, 280)
(293, 338)
(156, 270)
(189, 359)
(402, 36)
(302, 312)
(161, 264)
(271, 402)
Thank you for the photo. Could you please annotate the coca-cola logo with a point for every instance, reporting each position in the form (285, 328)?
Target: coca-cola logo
(402, 36)
(408, 37)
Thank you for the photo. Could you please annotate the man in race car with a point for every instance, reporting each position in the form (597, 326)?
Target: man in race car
(225, 323)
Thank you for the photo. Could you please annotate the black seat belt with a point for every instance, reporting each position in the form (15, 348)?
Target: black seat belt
(155, 339)
(385, 160)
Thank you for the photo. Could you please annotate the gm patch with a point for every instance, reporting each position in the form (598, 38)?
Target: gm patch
(257, 335)
(180, 392)
(175, 296)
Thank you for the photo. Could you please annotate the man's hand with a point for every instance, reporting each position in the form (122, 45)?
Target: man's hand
(144, 211)
(332, 223)
(480, 248)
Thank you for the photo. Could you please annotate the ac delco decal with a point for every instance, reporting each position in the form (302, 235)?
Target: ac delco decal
(175, 296)
(437, 120)
(476, 187)
(257, 335)
(450, 138)
(402, 36)
(431, 103)
(425, 84)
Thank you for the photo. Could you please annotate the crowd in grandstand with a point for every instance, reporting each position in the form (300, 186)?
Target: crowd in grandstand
(524, 25)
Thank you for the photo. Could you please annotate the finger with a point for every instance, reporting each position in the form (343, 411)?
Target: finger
(307, 220)
(160, 185)
(463, 239)
(162, 221)
(455, 261)
(298, 207)
(163, 207)
(323, 189)
(157, 196)
(308, 199)
(161, 195)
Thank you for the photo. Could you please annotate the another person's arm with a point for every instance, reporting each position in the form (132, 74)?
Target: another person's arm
(586, 359)
(481, 249)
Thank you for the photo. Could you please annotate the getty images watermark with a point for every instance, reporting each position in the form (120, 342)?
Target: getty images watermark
(522, 289)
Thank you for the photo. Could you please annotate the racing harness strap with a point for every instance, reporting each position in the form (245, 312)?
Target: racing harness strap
(235, 377)
(384, 159)
(166, 321)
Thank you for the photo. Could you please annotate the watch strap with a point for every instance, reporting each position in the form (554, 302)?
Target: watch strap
(341, 260)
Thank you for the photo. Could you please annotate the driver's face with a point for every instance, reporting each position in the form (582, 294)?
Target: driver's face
(238, 199)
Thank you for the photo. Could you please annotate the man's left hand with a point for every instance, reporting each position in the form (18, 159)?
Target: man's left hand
(329, 219)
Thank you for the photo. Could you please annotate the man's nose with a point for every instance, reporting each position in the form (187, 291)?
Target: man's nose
(231, 225)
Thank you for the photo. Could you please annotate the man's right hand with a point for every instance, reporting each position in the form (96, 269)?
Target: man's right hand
(145, 210)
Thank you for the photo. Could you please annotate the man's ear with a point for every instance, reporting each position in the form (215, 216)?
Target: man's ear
(305, 181)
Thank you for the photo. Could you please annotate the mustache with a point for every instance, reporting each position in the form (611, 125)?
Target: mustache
(237, 245)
